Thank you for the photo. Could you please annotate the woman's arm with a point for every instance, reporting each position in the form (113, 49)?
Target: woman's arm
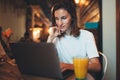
(94, 65)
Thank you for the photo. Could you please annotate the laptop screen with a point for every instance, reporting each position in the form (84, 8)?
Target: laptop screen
(38, 59)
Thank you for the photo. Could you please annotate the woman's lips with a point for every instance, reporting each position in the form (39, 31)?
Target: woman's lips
(61, 27)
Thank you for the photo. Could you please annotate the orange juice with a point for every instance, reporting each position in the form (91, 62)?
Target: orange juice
(80, 67)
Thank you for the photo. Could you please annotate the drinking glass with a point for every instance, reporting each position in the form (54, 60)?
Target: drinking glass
(80, 67)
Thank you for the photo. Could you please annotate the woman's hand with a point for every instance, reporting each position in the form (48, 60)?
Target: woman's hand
(53, 33)
(66, 66)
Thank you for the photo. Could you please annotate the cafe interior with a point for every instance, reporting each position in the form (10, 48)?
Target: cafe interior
(30, 21)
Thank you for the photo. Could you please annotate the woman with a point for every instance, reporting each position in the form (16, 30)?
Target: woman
(70, 40)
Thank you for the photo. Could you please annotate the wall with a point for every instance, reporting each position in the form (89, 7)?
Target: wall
(13, 18)
(109, 36)
(89, 12)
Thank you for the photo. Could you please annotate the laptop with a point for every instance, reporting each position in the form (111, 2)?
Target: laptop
(39, 59)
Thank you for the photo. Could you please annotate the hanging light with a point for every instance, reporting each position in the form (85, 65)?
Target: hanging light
(77, 1)
(36, 34)
(82, 2)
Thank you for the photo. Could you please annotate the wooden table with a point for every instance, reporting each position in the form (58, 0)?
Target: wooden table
(30, 77)
(11, 72)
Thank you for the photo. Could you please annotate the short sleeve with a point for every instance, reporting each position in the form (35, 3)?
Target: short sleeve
(91, 46)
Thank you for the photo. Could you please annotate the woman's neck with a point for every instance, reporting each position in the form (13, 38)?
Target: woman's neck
(68, 31)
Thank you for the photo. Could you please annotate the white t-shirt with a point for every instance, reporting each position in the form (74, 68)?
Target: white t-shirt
(69, 46)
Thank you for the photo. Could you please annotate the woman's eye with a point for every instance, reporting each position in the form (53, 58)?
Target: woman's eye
(63, 17)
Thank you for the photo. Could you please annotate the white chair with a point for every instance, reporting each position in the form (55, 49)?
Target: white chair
(105, 63)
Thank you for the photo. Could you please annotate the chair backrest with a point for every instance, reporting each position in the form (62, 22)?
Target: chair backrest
(105, 63)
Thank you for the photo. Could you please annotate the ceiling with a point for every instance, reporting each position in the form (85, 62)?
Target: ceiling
(44, 4)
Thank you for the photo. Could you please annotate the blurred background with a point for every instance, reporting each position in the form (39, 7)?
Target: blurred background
(30, 20)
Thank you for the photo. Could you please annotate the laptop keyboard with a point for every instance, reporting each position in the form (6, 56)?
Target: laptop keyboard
(67, 73)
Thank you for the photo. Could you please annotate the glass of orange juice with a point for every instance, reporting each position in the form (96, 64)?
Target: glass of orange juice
(80, 67)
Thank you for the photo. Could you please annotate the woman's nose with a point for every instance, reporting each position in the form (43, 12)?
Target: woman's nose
(60, 22)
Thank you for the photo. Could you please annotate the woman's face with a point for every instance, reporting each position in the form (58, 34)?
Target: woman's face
(62, 19)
